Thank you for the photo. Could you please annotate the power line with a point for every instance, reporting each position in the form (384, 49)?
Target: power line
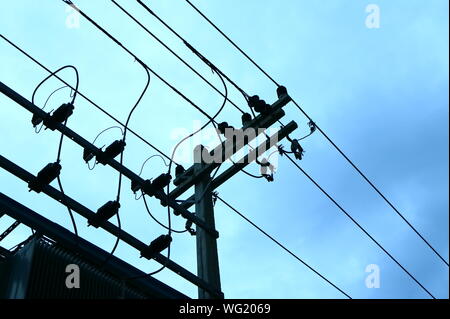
(95, 139)
(150, 157)
(116, 244)
(58, 157)
(84, 96)
(373, 186)
(137, 103)
(126, 125)
(72, 218)
(175, 54)
(158, 193)
(218, 71)
(37, 130)
(156, 220)
(54, 74)
(192, 48)
(358, 225)
(232, 42)
(282, 246)
(196, 52)
(51, 94)
(211, 119)
(70, 3)
(323, 133)
(108, 226)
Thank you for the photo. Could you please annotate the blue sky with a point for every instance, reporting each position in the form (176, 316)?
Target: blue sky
(380, 94)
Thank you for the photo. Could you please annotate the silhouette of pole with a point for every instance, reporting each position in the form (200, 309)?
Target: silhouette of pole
(207, 256)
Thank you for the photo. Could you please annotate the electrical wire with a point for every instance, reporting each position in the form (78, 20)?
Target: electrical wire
(58, 157)
(154, 272)
(116, 244)
(325, 135)
(194, 50)
(95, 139)
(62, 135)
(170, 230)
(68, 2)
(162, 267)
(119, 187)
(72, 218)
(282, 246)
(95, 104)
(359, 226)
(138, 101)
(127, 122)
(71, 4)
(58, 160)
(218, 135)
(212, 121)
(252, 175)
(373, 186)
(156, 220)
(231, 41)
(174, 53)
(54, 74)
(206, 61)
(106, 129)
(207, 186)
(73, 97)
(149, 158)
(84, 96)
(45, 104)
(142, 168)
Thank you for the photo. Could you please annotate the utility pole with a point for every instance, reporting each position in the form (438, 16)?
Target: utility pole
(199, 177)
(87, 213)
(207, 256)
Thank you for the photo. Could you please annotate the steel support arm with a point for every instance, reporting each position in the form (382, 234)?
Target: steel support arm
(262, 121)
(16, 97)
(69, 240)
(239, 165)
(109, 227)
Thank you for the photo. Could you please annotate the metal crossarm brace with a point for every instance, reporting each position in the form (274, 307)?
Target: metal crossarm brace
(94, 254)
(239, 165)
(9, 230)
(109, 227)
(16, 97)
(191, 176)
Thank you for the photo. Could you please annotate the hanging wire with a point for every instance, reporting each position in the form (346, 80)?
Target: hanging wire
(324, 135)
(84, 96)
(58, 158)
(359, 226)
(98, 135)
(282, 246)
